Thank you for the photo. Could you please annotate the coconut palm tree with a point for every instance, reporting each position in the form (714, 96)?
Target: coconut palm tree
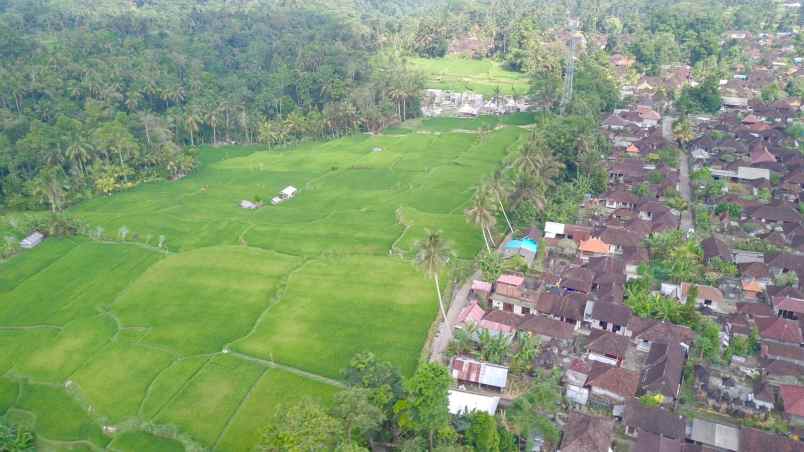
(191, 122)
(481, 213)
(499, 188)
(537, 160)
(432, 254)
(213, 120)
(682, 132)
(79, 152)
(268, 133)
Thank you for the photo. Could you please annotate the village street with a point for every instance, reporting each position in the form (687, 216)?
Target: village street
(444, 334)
(684, 175)
(459, 300)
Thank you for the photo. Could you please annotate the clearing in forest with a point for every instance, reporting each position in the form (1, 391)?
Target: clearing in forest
(460, 74)
(114, 343)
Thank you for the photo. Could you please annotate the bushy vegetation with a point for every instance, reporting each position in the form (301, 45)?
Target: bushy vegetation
(96, 101)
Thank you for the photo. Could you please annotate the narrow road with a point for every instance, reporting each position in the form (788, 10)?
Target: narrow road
(444, 334)
(459, 301)
(684, 175)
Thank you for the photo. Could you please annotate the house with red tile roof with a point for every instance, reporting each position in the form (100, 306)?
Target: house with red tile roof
(777, 329)
(792, 397)
(788, 307)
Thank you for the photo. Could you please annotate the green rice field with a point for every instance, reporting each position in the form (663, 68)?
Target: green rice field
(115, 343)
(457, 73)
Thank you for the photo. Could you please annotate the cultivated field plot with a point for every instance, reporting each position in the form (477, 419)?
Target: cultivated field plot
(455, 73)
(123, 345)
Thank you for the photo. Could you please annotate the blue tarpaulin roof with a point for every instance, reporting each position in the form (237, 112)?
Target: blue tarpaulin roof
(528, 244)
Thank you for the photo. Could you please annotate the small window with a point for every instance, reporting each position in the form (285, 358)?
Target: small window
(508, 307)
(708, 302)
(525, 311)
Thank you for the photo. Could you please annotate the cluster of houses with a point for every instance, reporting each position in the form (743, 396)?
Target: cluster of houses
(437, 103)
(611, 360)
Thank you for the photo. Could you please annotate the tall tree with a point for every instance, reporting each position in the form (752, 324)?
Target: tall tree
(425, 408)
(301, 427)
(432, 254)
(354, 408)
(481, 213)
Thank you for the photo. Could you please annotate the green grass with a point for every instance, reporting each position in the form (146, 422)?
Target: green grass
(246, 426)
(455, 73)
(310, 328)
(204, 406)
(141, 333)
(58, 416)
(144, 442)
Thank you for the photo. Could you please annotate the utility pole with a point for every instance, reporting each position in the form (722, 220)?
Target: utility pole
(569, 76)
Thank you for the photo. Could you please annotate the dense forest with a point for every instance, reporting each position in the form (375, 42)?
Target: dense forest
(96, 96)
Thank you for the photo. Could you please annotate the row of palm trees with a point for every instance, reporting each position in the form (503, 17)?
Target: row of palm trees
(528, 177)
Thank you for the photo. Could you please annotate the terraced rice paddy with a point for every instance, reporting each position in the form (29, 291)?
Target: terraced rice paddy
(122, 345)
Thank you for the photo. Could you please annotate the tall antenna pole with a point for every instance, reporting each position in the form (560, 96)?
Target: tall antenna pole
(569, 76)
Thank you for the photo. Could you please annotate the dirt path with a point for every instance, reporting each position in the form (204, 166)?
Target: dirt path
(684, 175)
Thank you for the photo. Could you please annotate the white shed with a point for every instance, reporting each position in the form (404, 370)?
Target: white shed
(288, 192)
(467, 402)
(247, 204)
(553, 230)
(32, 240)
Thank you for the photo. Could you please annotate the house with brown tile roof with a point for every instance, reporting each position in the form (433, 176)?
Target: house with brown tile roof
(611, 385)
(577, 279)
(792, 397)
(709, 297)
(752, 439)
(547, 328)
(608, 348)
(713, 248)
(776, 329)
(651, 442)
(646, 332)
(613, 317)
(785, 352)
(788, 307)
(662, 371)
(656, 420)
(585, 433)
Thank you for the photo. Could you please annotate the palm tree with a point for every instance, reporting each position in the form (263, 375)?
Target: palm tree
(191, 122)
(500, 190)
(682, 132)
(49, 185)
(432, 254)
(482, 214)
(79, 152)
(213, 120)
(398, 95)
(268, 133)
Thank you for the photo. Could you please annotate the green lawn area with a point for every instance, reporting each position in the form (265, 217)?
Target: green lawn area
(456, 73)
(172, 347)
